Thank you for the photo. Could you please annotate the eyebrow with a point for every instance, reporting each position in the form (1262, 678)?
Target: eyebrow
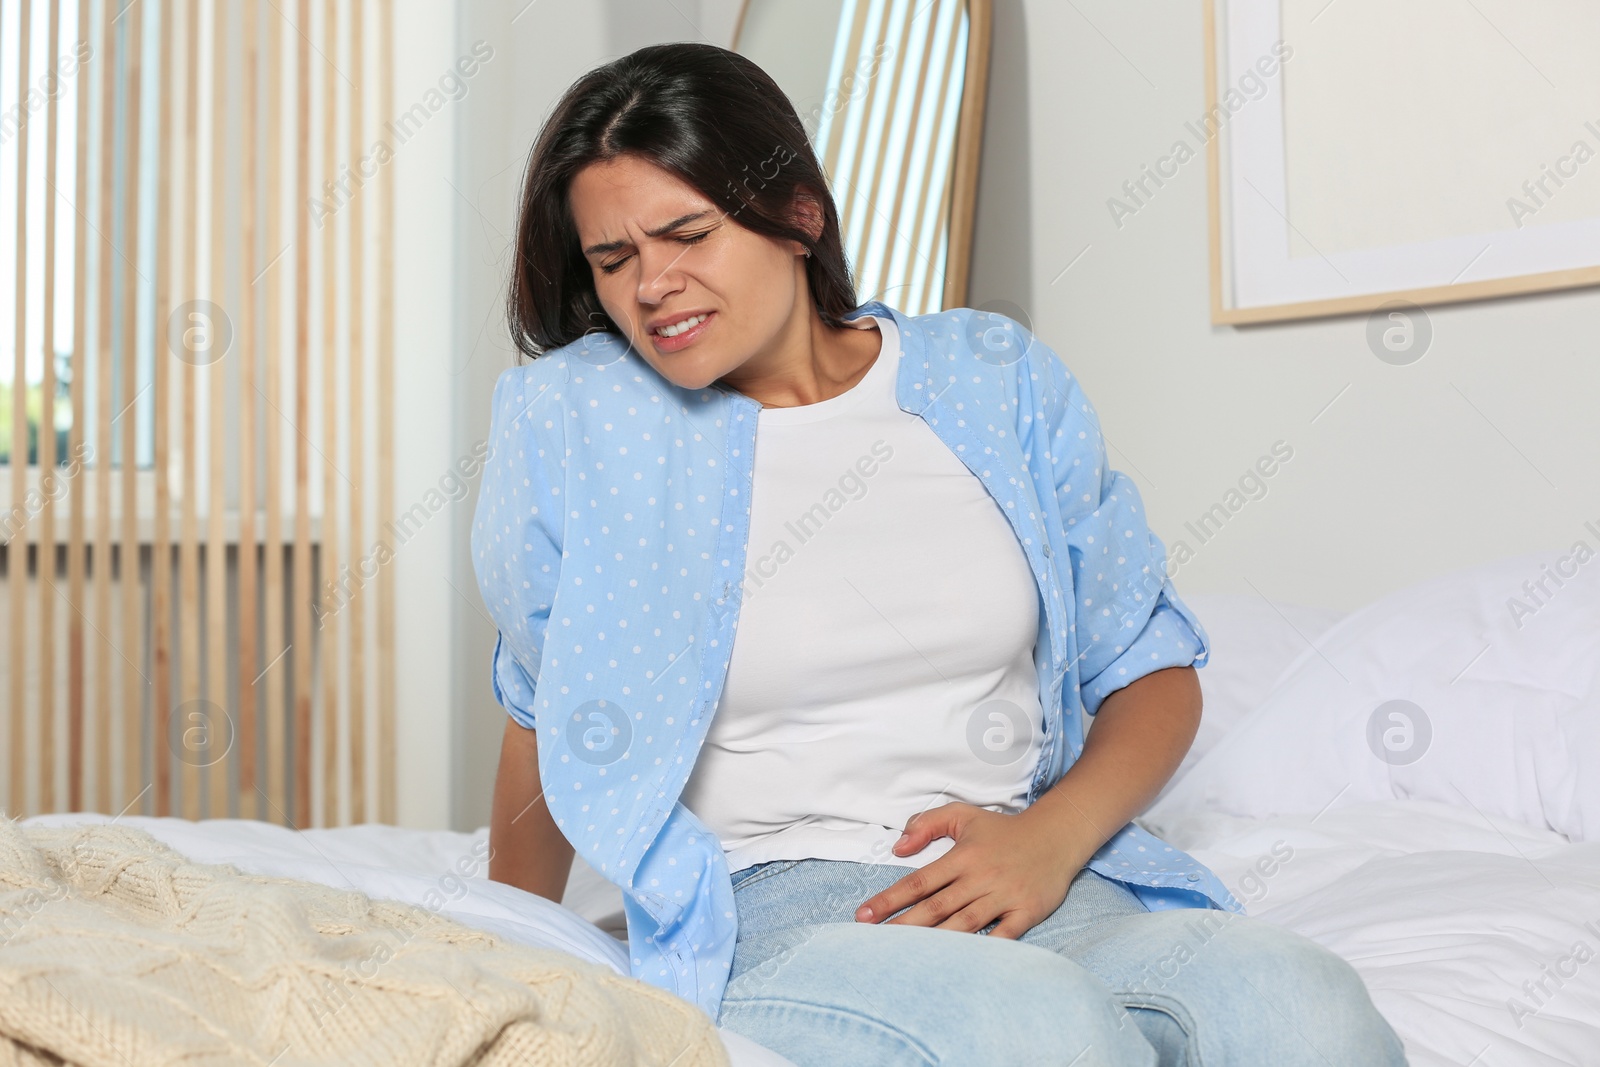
(612, 246)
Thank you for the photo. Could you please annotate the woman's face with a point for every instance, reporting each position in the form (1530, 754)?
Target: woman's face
(661, 253)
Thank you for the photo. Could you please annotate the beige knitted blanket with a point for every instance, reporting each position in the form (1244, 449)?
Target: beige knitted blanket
(116, 950)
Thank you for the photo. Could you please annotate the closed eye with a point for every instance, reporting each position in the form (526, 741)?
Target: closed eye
(693, 239)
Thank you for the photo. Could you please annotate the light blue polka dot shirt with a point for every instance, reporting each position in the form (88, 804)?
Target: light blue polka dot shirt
(609, 542)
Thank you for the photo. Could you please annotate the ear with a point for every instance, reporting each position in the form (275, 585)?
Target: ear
(807, 214)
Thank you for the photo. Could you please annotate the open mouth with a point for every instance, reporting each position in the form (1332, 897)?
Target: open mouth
(682, 334)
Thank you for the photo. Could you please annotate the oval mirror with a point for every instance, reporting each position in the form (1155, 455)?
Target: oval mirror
(891, 94)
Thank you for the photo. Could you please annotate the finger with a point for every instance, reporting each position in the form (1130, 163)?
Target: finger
(1012, 926)
(972, 918)
(916, 885)
(937, 909)
(920, 837)
(927, 825)
(910, 843)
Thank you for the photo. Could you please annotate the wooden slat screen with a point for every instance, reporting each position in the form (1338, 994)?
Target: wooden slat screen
(186, 638)
(890, 141)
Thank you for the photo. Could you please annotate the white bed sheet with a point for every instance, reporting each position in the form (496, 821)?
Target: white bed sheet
(1443, 911)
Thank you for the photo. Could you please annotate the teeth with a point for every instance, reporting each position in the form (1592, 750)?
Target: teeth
(686, 324)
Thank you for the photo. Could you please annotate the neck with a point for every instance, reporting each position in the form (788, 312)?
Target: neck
(821, 363)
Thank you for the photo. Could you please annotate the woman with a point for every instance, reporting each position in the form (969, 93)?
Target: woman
(911, 524)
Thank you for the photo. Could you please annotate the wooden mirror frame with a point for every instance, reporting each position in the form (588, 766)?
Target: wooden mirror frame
(966, 152)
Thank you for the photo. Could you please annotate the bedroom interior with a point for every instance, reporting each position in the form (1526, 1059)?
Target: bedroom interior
(1331, 290)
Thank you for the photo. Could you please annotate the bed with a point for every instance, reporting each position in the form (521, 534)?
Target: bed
(1413, 785)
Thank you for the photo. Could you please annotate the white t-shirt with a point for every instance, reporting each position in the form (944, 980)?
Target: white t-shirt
(883, 661)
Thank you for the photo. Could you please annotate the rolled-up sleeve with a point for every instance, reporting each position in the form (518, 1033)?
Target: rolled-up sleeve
(513, 686)
(516, 532)
(1128, 620)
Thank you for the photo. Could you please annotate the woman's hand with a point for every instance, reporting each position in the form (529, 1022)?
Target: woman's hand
(1018, 867)
(1012, 867)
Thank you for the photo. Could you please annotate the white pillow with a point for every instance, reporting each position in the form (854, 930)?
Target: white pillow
(1252, 641)
(593, 896)
(1500, 705)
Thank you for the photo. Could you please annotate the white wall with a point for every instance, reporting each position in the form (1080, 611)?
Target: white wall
(1486, 447)
(425, 233)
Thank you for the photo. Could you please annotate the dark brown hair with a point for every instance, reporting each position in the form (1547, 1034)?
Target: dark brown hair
(703, 113)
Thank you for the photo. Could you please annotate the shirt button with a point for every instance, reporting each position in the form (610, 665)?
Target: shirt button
(1194, 876)
(1047, 548)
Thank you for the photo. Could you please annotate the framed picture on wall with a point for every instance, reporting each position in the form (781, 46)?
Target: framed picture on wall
(1362, 152)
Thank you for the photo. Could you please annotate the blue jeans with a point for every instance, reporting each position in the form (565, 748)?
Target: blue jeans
(1101, 981)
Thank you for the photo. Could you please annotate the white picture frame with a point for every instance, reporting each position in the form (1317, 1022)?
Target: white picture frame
(1280, 248)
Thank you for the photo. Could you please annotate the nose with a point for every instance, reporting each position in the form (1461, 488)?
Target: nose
(658, 274)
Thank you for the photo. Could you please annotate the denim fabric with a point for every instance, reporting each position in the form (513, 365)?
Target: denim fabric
(1100, 981)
